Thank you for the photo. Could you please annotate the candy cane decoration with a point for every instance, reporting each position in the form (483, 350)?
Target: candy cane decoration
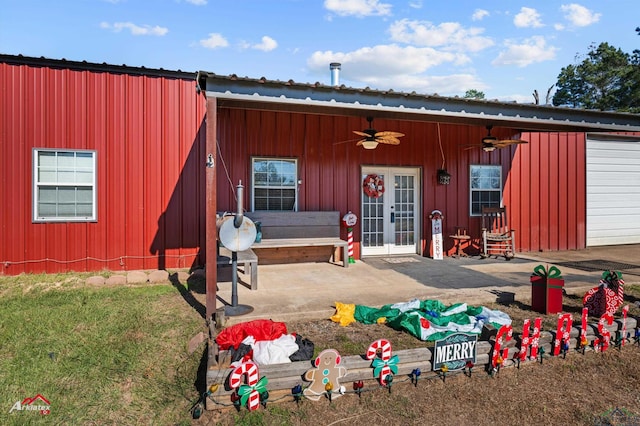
(250, 370)
(623, 336)
(349, 220)
(388, 364)
(562, 332)
(505, 332)
(583, 329)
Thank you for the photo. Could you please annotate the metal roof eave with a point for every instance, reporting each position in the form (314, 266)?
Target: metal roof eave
(232, 92)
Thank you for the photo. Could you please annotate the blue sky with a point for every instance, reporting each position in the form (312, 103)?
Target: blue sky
(507, 49)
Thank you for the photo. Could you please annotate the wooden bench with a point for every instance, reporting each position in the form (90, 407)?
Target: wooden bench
(300, 229)
(248, 257)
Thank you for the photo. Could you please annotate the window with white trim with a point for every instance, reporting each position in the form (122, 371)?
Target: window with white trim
(485, 187)
(64, 186)
(275, 183)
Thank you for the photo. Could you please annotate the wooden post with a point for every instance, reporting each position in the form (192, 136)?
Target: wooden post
(211, 246)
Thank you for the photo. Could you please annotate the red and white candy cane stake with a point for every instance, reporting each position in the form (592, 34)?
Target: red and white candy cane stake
(349, 220)
(384, 346)
(250, 370)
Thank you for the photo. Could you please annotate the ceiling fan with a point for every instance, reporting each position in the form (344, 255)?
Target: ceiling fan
(371, 137)
(490, 143)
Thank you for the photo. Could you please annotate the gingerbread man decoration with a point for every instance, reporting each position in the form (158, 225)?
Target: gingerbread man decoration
(326, 375)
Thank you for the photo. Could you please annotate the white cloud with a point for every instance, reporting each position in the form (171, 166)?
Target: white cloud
(214, 41)
(558, 27)
(135, 30)
(267, 44)
(533, 50)
(416, 4)
(197, 2)
(448, 35)
(359, 8)
(479, 14)
(579, 15)
(527, 17)
(401, 68)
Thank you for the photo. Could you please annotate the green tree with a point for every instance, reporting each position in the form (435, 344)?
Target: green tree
(473, 94)
(607, 79)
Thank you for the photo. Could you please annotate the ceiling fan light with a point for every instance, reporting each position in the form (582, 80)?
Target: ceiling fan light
(489, 148)
(369, 144)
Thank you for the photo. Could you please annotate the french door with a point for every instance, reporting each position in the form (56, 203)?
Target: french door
(391, 222)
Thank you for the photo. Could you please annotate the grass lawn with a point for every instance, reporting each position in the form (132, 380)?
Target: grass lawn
(118, 355)
(99, 355)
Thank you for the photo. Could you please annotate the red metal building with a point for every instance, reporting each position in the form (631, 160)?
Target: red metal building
(144, 130)
(104, 167)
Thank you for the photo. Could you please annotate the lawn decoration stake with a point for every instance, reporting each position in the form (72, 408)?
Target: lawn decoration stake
(602, 343)
(326, 374)
(607, 297)
(250, 391)
(562, 333)
(349, 220)
(385, 365)
(533, 341)
(505, 332)
(623, 334)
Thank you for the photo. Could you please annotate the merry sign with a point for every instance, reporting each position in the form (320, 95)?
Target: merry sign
(454, 351)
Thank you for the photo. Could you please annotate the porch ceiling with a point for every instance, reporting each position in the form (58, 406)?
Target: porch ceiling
(262, 94)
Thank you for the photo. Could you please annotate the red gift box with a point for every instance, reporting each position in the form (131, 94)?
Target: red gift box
(546, 292)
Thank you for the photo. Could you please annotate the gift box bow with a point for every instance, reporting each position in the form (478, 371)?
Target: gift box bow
(541, 271)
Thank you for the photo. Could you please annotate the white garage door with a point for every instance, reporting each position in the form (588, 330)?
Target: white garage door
(613, 190)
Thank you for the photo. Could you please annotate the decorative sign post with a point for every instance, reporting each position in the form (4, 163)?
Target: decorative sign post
(436, 217)
(349, 220)
(454, 352)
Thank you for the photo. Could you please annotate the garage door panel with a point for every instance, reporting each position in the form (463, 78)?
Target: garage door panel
(611, 217)
(613, 191)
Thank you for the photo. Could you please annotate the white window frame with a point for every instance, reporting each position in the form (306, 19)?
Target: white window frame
(64, 172)
(487, 184)
(256, 185)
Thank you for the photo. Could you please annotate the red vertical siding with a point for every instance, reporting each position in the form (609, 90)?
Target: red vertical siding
(538, 177)
(550, 215)
(148, 137)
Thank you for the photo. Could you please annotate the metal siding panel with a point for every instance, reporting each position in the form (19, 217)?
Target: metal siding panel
(154, 219)
(171, 195)
(563, 194)
(115, 161)
(97, 234)
(192, 164)
(15, 160)
(134, 172)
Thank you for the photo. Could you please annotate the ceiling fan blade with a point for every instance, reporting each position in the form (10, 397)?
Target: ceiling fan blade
(390, 140)
(506, 142)
(361, 133)
(348, 141)
(387, 133)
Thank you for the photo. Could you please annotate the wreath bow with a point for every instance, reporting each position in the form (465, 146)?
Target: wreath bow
(378, 364)
(245, 390)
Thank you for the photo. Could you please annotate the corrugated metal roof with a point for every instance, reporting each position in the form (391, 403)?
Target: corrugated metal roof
(243, 92)
(317, 98)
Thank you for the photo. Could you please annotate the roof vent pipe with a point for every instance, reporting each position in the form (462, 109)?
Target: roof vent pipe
(335, 73)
